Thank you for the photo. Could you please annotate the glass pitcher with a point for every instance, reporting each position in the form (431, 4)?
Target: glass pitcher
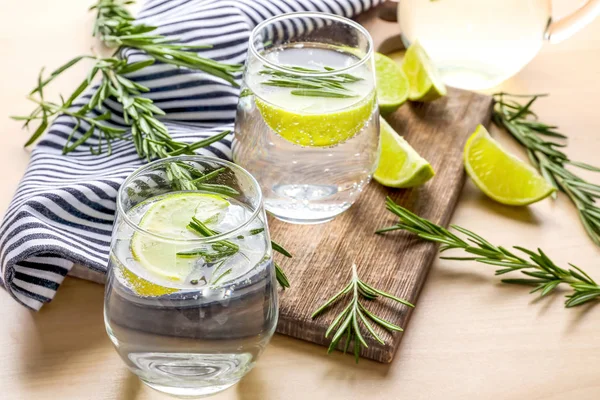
(477, 44)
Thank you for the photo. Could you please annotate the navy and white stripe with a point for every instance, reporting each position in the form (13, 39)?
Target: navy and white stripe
(62, 213)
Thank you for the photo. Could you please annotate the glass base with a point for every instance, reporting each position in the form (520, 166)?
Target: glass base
(188, 375)
(190, 393)
(304, 221)
(311, 214)
(306, 204)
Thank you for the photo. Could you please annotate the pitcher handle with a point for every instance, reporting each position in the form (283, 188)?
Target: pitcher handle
(567, 26)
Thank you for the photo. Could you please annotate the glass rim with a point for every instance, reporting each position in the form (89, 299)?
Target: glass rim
(198, 158)
(312, 14)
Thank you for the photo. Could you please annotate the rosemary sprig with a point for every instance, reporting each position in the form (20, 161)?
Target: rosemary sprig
(316, 86)
(320, 93)
(46, 111)
(538, 269)
(543, 144)
(200, 227)
(150, 137)
(347, 323)
(114, 26)
(222, 249)
(225, 248)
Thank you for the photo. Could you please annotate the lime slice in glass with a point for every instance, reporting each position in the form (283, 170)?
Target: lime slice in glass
(169, 217)
(317, 130)
(501, 175)
(392, 84)
(400, 166)
(144, 287)
(423, 78)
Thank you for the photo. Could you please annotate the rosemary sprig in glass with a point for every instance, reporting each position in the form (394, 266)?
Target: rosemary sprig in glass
(185, 177)
(314, 86)
(535, 267)
(543, 144)
(347, 323)
(224, 248)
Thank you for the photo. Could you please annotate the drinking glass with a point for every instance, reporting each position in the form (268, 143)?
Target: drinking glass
(478, 44)
(188, 315)
(307, 123)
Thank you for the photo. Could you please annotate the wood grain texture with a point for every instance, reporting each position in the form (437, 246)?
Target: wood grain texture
(396, 263)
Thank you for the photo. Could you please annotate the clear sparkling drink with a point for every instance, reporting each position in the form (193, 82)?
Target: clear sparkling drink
(307, 124)
(190, 314)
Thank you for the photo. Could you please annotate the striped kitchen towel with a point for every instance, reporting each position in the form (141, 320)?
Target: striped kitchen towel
(60, 219)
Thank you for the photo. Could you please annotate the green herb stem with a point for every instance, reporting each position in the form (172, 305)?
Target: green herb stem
(226, 248)
(347, 324)
(535, 267)
(115, 27)
(320, 93)
(312, 86)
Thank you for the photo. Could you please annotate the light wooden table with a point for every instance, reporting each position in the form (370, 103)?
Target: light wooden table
(469, 337)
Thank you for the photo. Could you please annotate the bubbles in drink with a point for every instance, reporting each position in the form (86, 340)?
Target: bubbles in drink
(195, 322)
(311, 154)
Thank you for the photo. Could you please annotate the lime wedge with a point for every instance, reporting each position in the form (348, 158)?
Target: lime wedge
(392, 84)
(423, 78)
(317, 130)
(501, 175)
(169, 217)
(400, 166)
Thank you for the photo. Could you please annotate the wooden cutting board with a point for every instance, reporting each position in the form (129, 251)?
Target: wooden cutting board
(397, 262)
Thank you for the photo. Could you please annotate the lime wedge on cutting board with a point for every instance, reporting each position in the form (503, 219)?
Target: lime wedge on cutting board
(392, 84)
(501, 175)
(425, 83)
(400, 166)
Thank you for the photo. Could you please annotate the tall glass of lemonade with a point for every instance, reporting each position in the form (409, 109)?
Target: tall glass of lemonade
(307, 124)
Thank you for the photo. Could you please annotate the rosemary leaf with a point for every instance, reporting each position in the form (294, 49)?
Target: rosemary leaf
(320, 93)
(313, 86)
